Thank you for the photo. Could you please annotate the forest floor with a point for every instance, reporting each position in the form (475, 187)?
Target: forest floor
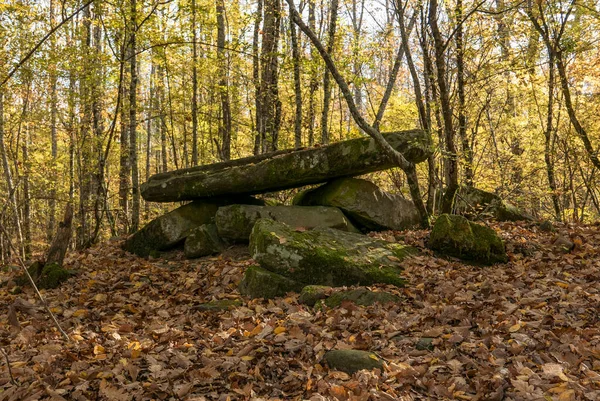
(526, 330)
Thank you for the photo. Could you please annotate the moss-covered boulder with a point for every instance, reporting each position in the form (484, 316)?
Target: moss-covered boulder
(285, 169)
(45, 276)
(471, 202)
(456, 236)
(369, 207)
(261, 283)
(325, 256)
(351, 361)
(361, 296)
(203, 241)
(171, 229)
(311, 294)
(235, 222)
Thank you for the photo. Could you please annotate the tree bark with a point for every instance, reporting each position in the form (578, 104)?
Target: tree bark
(326, 77)
(195, 87)
(225, 123)
(133, 155)
(440, 63)
(297, 86)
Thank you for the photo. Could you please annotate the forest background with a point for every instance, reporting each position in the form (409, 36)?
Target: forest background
(510, 91)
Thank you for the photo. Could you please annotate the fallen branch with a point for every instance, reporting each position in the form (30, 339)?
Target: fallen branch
(32, 282)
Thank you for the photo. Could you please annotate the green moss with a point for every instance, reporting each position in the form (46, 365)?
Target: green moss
(311, 294)
(326, 256)
(53, 275)
(456, 236)
(351, 361)
(219, 305)
(361, 296)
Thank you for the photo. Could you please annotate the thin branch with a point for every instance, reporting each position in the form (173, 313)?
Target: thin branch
(32, 282)
(12, 379)
(41, 42)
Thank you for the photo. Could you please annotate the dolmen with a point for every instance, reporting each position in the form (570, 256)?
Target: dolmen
(318, 240)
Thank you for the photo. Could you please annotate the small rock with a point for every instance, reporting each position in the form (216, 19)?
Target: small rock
(563, 244)
(351, 361)
(546, 226)
(311, 294)
(220, 305)
(261, 283)
(425, 344)
(361, 296)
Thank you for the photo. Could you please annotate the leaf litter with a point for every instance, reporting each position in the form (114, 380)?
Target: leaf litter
(526, 330)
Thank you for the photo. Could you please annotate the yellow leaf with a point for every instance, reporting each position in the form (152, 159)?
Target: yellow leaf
(100, 298)
(247, 358)
(279, 330)
(562, 285)
(76, 337)
(80, 313)
(515, 328)
(373, 356)
(98, 349)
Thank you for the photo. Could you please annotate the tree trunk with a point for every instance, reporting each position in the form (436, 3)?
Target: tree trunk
(194, 87)
(326, 76)
(135, 207)
(297, 86)
(314, 83)
(8, 178)
(124, 163)
(60, 244)
(256, 78)
(269, 90)
(225, 123)
(440, 62)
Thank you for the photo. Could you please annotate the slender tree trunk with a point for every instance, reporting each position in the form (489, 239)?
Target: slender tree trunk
(460, 87)
(135, 206)
(548, 134)
(26, 195)
(194, 87)
(297, 86)
(256, 79)
(163, 119)
(149, 128)
(440, 62)
(124, 163)
(225, 123)
(8, 178)
(53, 134)
(269, 90)
(314, 83)
(326, 76)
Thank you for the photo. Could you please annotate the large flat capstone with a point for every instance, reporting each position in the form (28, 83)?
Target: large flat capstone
(285, 169)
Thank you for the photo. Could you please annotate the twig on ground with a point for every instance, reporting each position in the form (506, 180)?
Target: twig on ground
(12, 378)
(32, 282)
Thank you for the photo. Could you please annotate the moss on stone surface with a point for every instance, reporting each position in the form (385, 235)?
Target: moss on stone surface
(360, 296)
(327, 256)
(45, 276)
(235, 222)
(456, 236)
(311, 294)
(286, 170)
(219, 305)
(169, 230)
(261, 283)
(351, 361)
(203, 241)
